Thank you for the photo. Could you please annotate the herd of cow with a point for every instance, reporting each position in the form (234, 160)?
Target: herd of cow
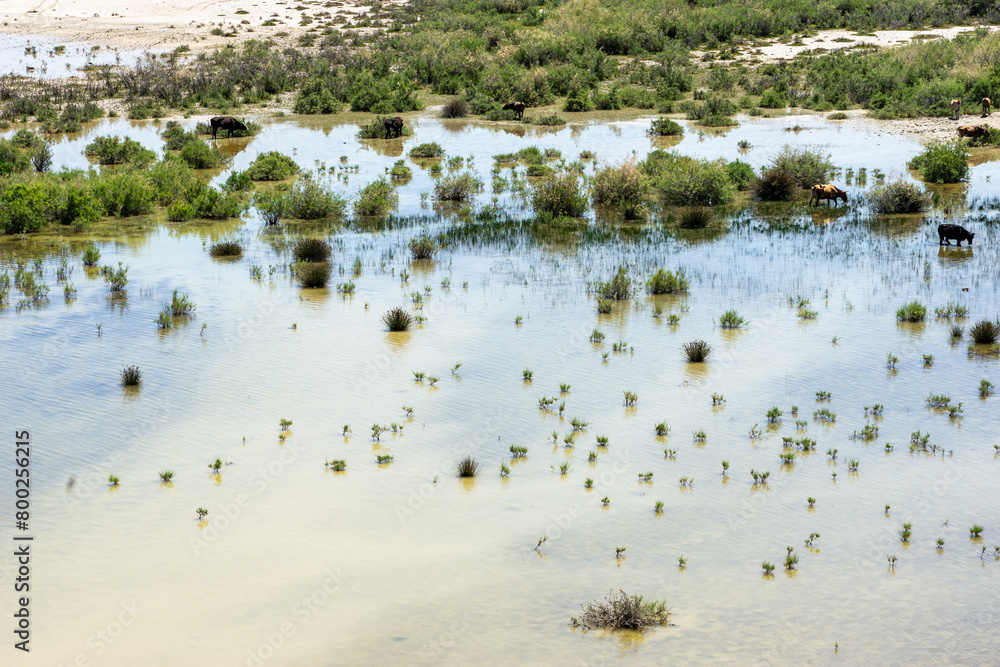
(946, 233)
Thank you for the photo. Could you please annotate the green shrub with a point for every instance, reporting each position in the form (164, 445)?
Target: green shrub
(774, 184)
(376, 198)
(400, 170)
(213, 204)
(176, 137)
(270, 206)
(455, 109)
(549, 120)
(12, 160)
(664, 127)
(25, 207)
(124, 194)
(171, 179)
(559, 196)
(460, 187)
(689, 181)
(428, 150)
(772, 99)
(423, 247)
(897, 196)
(942, 162)
(118, 150)
(142, 109)
(309, 200)
(26, 139)
(383, 94)
(911, 312)
(313, 274)
(199, 155)
(667, 282)
(180, 210)
(807, 167)
(740, 173)
(616, 288)
(624, 186)
(315, 98)
(578, 100)
(272, 166)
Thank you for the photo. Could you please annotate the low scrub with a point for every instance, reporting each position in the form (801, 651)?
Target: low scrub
(428, 150)
(312, 250)
(622, 611)
(199, 155)
(559, 196)
(460, 187)
(376, 199)
(697, 351)
(664, 127)
(226, 249)
(616, 288)
(683, 180)
(423, 247)
(807, 167)
(272, 166)
(118, 150)
(942, 162)
(897, 196)
(774, 184)
(397, 319)
(911, 312)
(313, 274)
(667, 282)
(623, 186)
(309, 200)
(985, 332)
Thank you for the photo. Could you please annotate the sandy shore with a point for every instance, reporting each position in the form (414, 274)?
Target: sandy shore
(162, 25)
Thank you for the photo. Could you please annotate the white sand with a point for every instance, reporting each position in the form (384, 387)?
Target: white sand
(161, 25)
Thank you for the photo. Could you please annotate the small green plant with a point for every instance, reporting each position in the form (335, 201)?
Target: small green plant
(645, 476)
(699, 436)
(201, 512)
(527, 374)
(605, 501)
(774, 415)
(732, 320)
(661, 428)
(986, 388)
(670, 454)
(725, 468)
(682, 561)
(811, 501)
(942, 162)
(383, 459)
(718, 399)
(91, 255)
(215, 466)
(768, 567)
(518, 451)
(825, 415)
(588, 483)
(812, 538)
(504, 469)
(564, 468)
(913, 311)
(791, 560)
(630, 398)
(852, 465)
(975, 530)
(658, 507)
(905, 533)
(822, 396)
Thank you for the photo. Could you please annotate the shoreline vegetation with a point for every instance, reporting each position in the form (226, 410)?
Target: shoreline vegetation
(474, 57)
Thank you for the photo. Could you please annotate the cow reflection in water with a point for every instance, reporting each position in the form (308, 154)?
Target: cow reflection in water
(954, 254)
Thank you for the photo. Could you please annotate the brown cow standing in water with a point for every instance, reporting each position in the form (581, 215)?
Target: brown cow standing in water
(987, 104)
(227, 123)
(516, 107)
(393, 127)
(971, 131)
(827, 192)
(956, 106)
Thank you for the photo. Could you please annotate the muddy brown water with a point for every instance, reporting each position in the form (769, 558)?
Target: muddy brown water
(405, 563)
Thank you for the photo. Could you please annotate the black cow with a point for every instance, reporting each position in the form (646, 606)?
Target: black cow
(956, 232)
(227, 123)
(516, 107)
(393, 127)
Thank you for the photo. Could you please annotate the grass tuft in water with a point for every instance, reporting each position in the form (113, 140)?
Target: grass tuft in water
(697, 351)
(397, 319)
(467, 467)
(622, 611)
(913, 311)
(131, 376)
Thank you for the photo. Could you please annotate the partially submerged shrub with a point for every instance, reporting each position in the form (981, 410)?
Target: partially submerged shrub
(376, 198)
(898, 196)
(467, 467)
(272, 166)
(740, 173)
(428, 150)
(313, 274)
(312, 250)
(460, 187)
(942, 162)
(423, 247)
(226, 249)
(310, 200)
(697, 350)
(623, 612)
(131, 376)
(807, 167)
(732, 320)
(397, 319)
(696, 217)
(911, 312)
(667, 282)
(624, 186)
(985, 331)
(774, 184)
(118, 150)
(664, 127)
(687, 181)
(559, 196)
(199, 155)
(617, 288)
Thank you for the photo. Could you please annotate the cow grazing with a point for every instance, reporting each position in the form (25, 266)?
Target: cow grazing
(956, 106)
(227, 123)
(987, 105)
(516, 107)
(827, 192)
(972, 131)
(947, 233)
(393, 127)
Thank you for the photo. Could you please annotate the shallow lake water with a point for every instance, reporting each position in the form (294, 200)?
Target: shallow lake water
(405, 563)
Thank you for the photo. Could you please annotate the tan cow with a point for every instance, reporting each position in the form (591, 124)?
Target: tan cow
(971, 131)
(827, 192)
(956, 106)
(987, 104)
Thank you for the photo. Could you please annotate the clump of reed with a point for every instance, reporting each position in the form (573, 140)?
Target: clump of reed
(697, 350)
(985, 332)
(467, 467)
(226, 249)
(312, 250)
(397, 319)
(313, 274)
(913, 311)
(131, 376)
(623, 611)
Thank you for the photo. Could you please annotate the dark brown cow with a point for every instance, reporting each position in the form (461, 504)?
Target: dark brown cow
(393, 127)
(987, 105)
(956, 232)
(227, 123)
(516, 107)
(972, 131)
(827, 192)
